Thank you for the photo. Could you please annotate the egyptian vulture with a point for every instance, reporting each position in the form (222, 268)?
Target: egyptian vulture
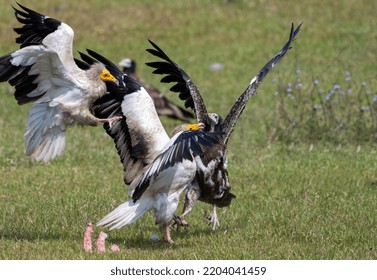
(164, 106)
(211, 184)
(43, 72)
(156, 168)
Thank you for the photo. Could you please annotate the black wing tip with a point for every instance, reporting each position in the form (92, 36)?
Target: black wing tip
(294, 30)
(101, 59)
(114, 69)
(153, 44)
(24, 10)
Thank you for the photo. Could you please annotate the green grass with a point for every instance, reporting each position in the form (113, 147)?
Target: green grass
(293, 202)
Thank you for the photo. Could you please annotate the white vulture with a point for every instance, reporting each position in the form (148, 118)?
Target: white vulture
(156, 168)
(211, 184)
(164, 106)
(44, 73)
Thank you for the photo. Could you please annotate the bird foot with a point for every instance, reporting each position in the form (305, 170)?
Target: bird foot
(213, 219)
(180, 222)
(110, 120)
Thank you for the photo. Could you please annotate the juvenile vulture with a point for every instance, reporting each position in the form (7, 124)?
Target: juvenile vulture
(43, 72)
(164, 106)
(156, 168)
(211, 184)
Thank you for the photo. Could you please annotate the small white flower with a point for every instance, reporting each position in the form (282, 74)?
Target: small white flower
(317, 106)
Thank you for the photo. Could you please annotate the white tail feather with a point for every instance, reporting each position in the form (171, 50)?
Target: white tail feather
(126, 213)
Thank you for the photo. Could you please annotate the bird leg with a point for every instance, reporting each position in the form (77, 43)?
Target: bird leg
(213, 219)
(110, 120)
(88, 118)
(192, 195)
(167, 235)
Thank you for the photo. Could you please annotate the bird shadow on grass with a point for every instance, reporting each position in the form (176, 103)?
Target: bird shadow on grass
(142, 242)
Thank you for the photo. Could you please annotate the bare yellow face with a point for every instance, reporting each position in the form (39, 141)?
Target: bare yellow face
(107, 77)
(195, 126)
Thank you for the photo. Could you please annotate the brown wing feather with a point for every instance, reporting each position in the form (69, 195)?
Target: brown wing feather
(230, 121)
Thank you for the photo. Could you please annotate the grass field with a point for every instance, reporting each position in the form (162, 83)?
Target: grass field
(294, 201)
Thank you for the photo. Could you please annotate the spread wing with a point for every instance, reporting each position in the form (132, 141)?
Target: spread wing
(44, 72)
(38, 29)
(36, 26)
(183, 146)
(137, 140)
(239, 106)
(139, 136)
(187, 90)
(40, 77)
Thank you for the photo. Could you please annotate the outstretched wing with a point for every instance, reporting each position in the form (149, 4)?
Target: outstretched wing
(139, 136)
(230, 121)
(187, 90)
(183, 146)
(38, 29)
(36, 26)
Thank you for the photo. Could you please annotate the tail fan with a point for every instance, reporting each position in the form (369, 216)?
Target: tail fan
(126, 213)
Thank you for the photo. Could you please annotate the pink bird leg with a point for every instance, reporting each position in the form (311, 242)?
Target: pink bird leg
(115, 248)
(101, 242)
(88, 237)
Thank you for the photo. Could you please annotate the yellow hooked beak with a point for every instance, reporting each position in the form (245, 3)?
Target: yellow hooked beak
(195, 126)
(107, 77)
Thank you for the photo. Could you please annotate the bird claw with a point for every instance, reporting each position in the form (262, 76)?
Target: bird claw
(113, 119)
(180, 222)
(214, 221)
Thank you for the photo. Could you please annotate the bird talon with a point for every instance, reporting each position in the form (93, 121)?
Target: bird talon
(180, 222)
(213, 219)
(113, 119)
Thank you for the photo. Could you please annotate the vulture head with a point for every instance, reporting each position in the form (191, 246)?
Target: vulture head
(213, 122)
(99, 70)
